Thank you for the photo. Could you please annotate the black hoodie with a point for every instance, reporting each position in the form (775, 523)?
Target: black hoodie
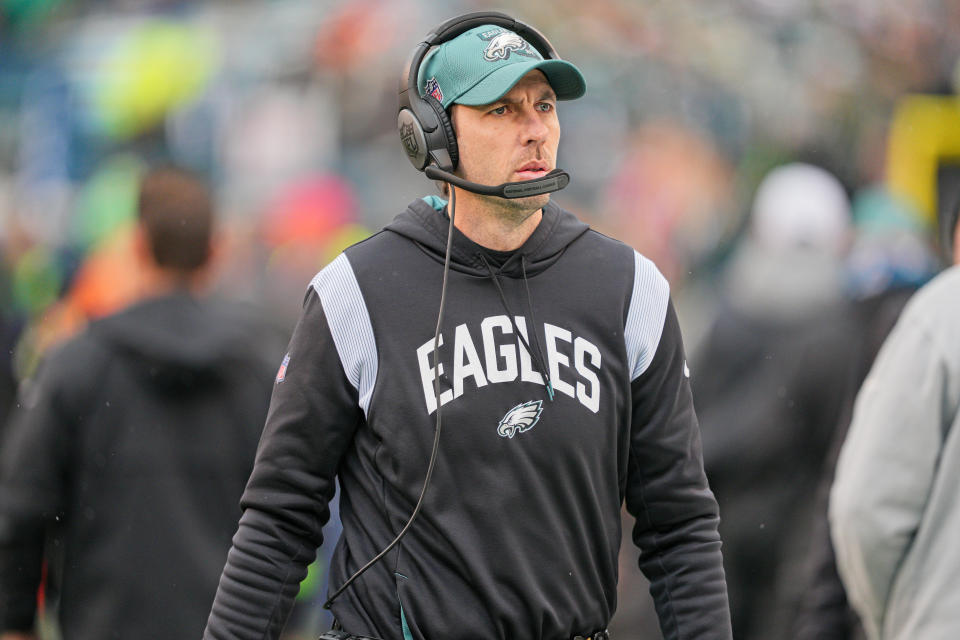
(128, 456)
(520, 529)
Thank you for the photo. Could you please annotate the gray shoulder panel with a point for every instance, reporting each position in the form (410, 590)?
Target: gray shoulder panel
(349, 322)
(648, 310)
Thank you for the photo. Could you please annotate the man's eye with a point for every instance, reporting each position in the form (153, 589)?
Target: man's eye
(544, 106)
(500, 110)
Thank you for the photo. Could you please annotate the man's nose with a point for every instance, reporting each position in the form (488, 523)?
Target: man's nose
(535, 130)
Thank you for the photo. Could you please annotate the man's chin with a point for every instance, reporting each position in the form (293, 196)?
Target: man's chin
(536, 202)
(530, 203)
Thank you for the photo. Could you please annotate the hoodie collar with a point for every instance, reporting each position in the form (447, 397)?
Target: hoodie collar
(425, 225)
(175, 332)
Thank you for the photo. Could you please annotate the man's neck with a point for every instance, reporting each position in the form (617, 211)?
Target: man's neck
(156, 282)
(494, 227)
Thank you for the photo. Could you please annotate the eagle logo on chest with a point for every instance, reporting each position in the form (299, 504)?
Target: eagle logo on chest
(521, 418)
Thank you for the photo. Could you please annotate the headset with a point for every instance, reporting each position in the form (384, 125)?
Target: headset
(425, 129)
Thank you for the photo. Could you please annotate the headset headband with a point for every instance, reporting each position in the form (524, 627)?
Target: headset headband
(461, 24)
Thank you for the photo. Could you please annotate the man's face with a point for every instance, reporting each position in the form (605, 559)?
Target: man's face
(513, 139)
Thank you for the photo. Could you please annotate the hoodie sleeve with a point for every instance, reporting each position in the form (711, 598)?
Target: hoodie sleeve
(667, 492)
(30, 497)
(314, 412)
(35, 464)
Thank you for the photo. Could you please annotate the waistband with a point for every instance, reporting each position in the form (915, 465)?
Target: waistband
(340, 634)
(596, 635)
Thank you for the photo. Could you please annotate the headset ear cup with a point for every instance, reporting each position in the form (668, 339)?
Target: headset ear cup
(413, 139)
(448, 133)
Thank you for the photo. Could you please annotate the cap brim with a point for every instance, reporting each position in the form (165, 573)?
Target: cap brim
(565, 79)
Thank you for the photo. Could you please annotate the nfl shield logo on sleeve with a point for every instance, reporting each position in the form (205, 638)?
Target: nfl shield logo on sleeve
(282, 372)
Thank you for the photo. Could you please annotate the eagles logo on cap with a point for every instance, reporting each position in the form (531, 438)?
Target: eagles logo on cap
(502, 43)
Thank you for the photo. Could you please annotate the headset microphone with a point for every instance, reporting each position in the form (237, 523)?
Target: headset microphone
(553, 181)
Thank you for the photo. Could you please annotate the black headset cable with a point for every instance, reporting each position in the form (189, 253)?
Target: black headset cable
(436, 434)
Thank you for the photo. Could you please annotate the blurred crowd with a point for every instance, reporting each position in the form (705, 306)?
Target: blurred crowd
(783, 162)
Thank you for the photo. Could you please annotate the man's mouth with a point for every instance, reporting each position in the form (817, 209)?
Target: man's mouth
(532, 170)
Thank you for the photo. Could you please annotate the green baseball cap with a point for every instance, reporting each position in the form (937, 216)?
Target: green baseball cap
(481, 65)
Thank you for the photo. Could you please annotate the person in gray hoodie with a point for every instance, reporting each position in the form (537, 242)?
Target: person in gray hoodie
(894, 513)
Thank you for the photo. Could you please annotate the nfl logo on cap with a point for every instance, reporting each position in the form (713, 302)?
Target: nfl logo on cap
(433, 89)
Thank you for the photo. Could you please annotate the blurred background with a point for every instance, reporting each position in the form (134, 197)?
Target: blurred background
(288, 108)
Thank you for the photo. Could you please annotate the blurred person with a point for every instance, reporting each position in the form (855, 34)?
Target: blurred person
(893, 510)
(890, 259)
(767, 386)
(558, 374)
(126, 457)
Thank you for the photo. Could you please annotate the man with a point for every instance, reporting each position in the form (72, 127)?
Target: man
(125, 461)
(563, 390)
(771, 372)
(894, 514)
